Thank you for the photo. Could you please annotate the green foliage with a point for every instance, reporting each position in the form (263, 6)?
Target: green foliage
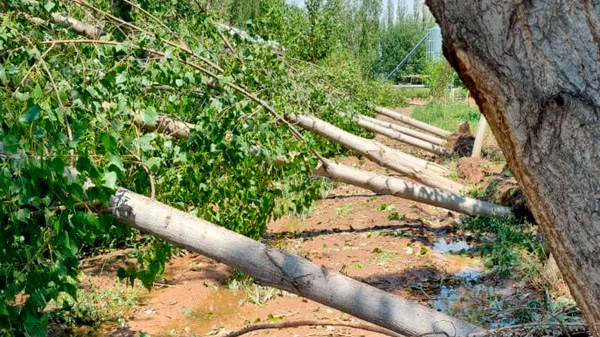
(441, 77)
(505, 242)
(67, 139)
(447, 115)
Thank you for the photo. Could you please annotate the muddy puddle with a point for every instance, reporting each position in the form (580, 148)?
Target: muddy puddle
(211, 314)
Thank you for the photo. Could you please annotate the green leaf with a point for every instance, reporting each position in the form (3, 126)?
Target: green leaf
(49, 6)
(31, 114)
(58, 165)
(122, 78)
(109, 180)
(150, 115)
(109, 142)
(115, 160)
(154, 163)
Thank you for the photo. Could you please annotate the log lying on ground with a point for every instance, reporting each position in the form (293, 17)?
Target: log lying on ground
(379, 153)
(383, 184)
(407, 131)
(406, 139)
(274, 267)
(413, 122)
(377, 183)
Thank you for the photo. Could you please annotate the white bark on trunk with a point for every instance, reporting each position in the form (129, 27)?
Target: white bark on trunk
(413, 122)
(393, 134)
(77, 26)
(168, 126)
(479, 137)
(388, 185)
(407, 131)
(379, 153)
(274, 267)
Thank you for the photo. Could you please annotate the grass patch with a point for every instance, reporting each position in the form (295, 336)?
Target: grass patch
(412, 93)
(509, 246)
(448, 115)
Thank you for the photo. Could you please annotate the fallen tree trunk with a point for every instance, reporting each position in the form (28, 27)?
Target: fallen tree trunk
(383, 184)
(273, 267)
(379, 153)
(532, 67)
(181, 130)
(413, 122)
(418, 143)
(407, 131)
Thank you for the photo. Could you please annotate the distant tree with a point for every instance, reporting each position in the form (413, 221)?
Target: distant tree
(391, 12)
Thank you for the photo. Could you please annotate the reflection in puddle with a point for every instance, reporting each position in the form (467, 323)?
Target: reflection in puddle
(453, 246)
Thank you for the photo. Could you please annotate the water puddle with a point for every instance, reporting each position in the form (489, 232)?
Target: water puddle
(451, 246)
(211, 313)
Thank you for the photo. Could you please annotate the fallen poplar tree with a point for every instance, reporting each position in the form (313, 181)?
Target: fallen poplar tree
(388, 185)
(393, 134)
(377, 183)
(407, 131)
(377, 152)
(412, 122)
(271, 266)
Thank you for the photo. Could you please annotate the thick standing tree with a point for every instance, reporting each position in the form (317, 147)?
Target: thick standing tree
(533, 68)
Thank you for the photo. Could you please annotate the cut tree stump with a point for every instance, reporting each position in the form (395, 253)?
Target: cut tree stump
(412, 122)
(273, 267)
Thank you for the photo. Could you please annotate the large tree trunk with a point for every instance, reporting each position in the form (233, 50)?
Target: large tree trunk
(274, 267)
(379, 153)
(533, 67)
(383, 184)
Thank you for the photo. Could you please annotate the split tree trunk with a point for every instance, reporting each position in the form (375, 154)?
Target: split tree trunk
(379, 153)
(274, 267)
(412, 122)
(479, 137)
(407, 131)
(393, 134)
(383, 184)
(533, 68)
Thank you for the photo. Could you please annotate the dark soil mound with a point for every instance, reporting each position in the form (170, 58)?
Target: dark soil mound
(461, 142)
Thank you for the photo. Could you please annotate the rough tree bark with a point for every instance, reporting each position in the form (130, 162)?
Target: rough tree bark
(274, 267)
(533, 68)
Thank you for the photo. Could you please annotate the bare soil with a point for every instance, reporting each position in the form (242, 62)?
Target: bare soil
(400, 246)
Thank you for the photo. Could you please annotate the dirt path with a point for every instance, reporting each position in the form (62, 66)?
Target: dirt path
(397, 245)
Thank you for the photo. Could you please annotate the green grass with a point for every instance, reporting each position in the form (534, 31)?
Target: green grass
(422, 93)
(448, 115)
